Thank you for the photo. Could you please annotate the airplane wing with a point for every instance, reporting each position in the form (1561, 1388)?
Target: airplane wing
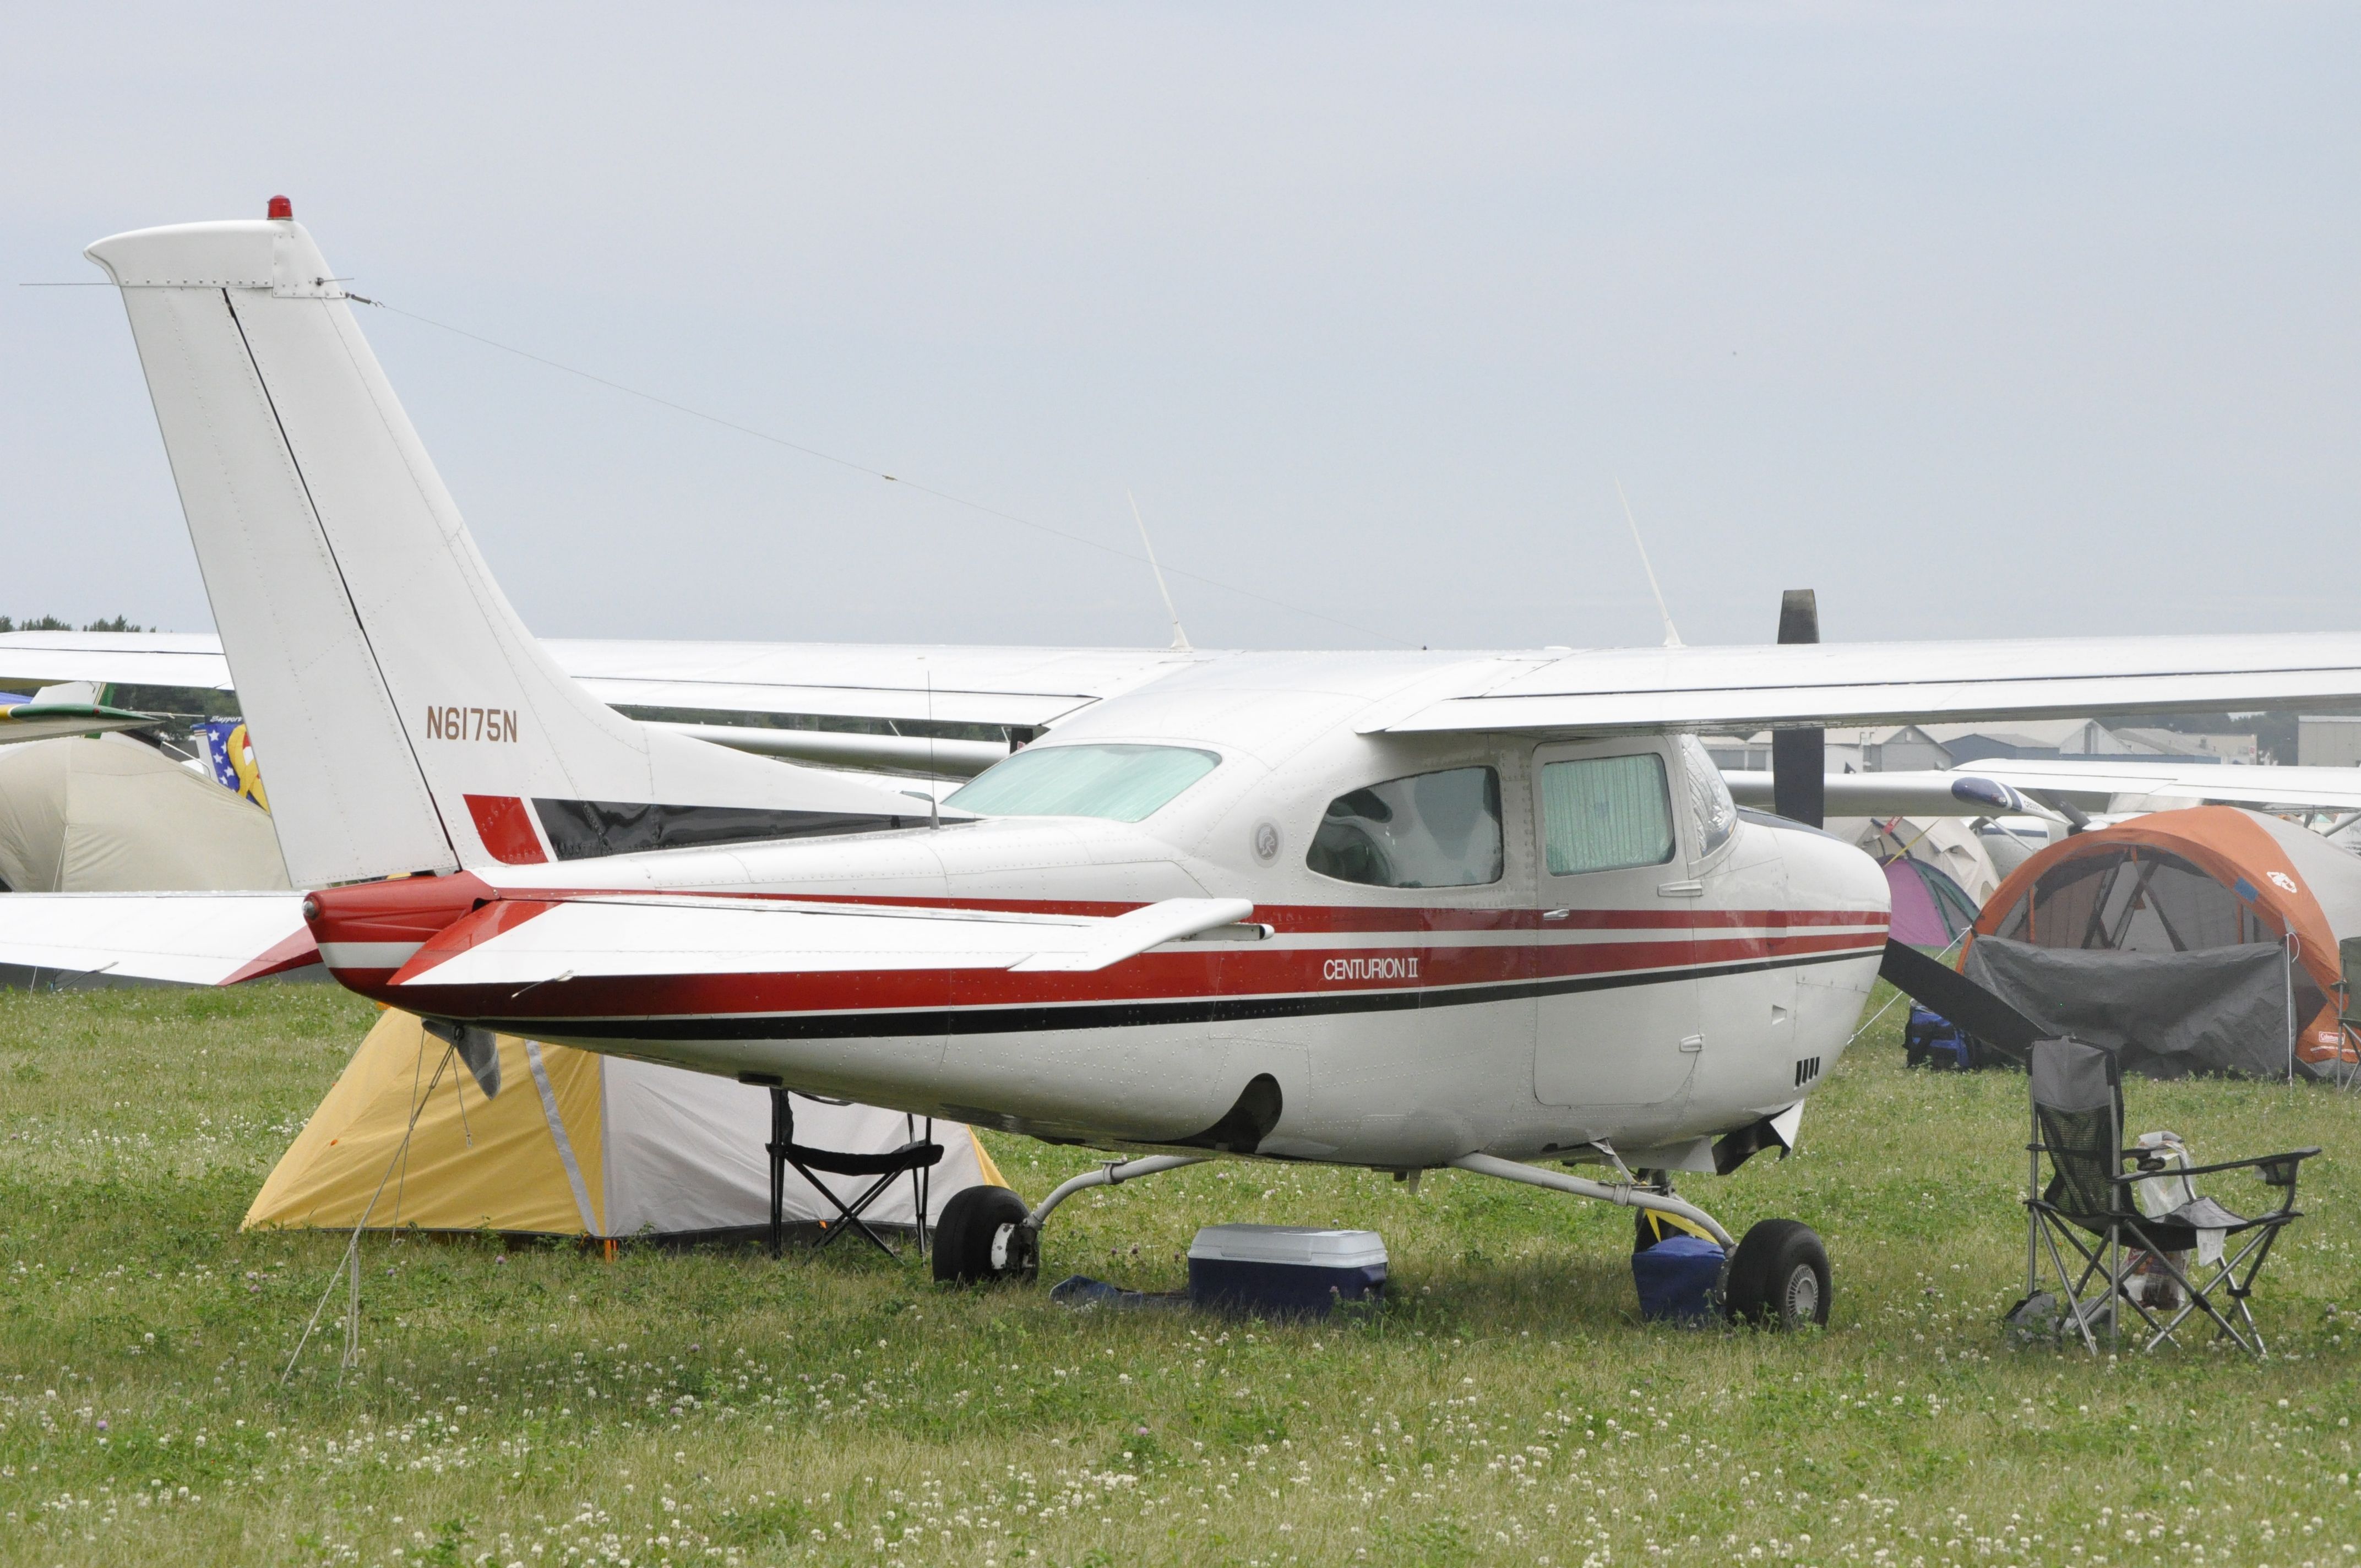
(841, 705)
(48, 720)
(224, 938)
(521, 943)
(190, 939)
(114, 658)
(1801, 686)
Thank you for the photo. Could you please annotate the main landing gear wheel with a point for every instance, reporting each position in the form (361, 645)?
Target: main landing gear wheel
(982, 1237)
(1778, 1278)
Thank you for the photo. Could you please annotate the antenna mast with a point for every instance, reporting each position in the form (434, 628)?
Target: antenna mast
(1180, 638)
(1672, 632)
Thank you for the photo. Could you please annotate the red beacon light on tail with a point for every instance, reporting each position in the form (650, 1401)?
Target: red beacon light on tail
(280, 207)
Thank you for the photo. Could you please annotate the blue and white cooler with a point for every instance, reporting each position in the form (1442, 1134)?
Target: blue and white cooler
(1284, 1270)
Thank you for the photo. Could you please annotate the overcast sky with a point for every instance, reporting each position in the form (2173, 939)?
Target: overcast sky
(1983, 320)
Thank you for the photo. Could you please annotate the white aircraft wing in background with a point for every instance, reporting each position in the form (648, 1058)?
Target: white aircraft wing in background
(846, 705)
(2093, 784)
(115, 658)
(2037, 787)
(1967, 793)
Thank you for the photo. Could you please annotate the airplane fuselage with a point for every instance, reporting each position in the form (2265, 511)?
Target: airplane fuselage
(1602, 953)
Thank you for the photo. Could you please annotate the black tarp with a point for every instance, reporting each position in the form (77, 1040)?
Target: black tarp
(2210, 1010)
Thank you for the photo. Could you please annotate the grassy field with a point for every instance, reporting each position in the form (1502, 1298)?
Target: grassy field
(533, 1404)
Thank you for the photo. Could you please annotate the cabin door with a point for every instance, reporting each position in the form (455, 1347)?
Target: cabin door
(1618, 1012)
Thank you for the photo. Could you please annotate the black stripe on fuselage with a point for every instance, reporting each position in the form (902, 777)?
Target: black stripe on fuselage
(1107, 1014)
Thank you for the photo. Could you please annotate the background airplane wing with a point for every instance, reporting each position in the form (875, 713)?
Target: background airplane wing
(1966, 793)
(48, 720)
(2001, 788)
(191, 939)
(2094, 783)
(915, 709)
(1604, 691)
(34, 659)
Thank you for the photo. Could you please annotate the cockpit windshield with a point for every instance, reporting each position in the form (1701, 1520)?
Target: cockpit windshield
(1120, 783)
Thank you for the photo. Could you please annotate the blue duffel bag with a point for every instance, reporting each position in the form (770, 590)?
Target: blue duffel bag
(1931, 1040)
(1679, 1279)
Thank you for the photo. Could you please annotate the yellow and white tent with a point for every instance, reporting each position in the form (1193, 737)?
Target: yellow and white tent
(575, 1144)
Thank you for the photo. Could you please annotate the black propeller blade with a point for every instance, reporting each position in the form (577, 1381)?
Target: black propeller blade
(1799, 757)
(1960, 1000)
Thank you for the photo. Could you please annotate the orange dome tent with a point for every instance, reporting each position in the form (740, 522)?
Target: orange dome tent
(2178, 902)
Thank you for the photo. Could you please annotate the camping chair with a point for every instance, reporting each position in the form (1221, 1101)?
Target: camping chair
(2077, 1113)
(915, 1159)
(2345, 1067)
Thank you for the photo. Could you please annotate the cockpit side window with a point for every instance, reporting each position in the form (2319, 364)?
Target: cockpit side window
(1709, 802)
(1440, 830)
(1605, 813)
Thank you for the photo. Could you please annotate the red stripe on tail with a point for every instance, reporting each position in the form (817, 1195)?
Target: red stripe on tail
(506, 829)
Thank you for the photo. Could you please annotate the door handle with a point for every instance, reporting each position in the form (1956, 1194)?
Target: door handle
(1680, 890)
(1556, 914)
(1692, 1043)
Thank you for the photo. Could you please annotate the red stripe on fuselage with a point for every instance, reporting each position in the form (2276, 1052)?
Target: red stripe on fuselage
(1286, 918)
(1239, 971)
(451, 913)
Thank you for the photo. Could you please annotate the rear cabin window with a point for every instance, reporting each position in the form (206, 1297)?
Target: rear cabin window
(1437, 829)
(1121, 784)
(1605, 813)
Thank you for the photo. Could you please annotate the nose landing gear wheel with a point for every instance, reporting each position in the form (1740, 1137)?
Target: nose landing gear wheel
(983, 1237)
(1779, 1278)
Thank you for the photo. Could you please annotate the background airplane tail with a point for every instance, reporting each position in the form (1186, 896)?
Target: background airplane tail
(405, 719)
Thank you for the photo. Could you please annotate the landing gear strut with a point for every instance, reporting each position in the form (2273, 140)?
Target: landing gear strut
(986, 1232)
(1777, 1277)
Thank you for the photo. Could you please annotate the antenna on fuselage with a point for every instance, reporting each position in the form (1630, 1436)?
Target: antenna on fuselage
(1672, 632)
(1180, 638)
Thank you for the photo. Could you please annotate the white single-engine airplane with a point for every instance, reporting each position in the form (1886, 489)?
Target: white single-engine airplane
(1398, 911)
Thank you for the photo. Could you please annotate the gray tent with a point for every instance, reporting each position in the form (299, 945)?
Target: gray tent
(112, 815)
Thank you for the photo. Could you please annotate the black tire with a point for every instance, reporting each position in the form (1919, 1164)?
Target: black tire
(971, 1225)
(1779, 1278)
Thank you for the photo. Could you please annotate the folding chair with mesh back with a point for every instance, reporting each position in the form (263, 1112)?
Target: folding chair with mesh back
(916, 1159)
(2089, 1205)
(2345, 1067)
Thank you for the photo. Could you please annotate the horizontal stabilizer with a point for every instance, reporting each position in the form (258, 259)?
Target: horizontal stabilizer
(188, 938)
(1126, 936)
(511, 944)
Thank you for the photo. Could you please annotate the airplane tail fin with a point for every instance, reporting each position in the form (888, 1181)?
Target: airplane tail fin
(407, 719)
